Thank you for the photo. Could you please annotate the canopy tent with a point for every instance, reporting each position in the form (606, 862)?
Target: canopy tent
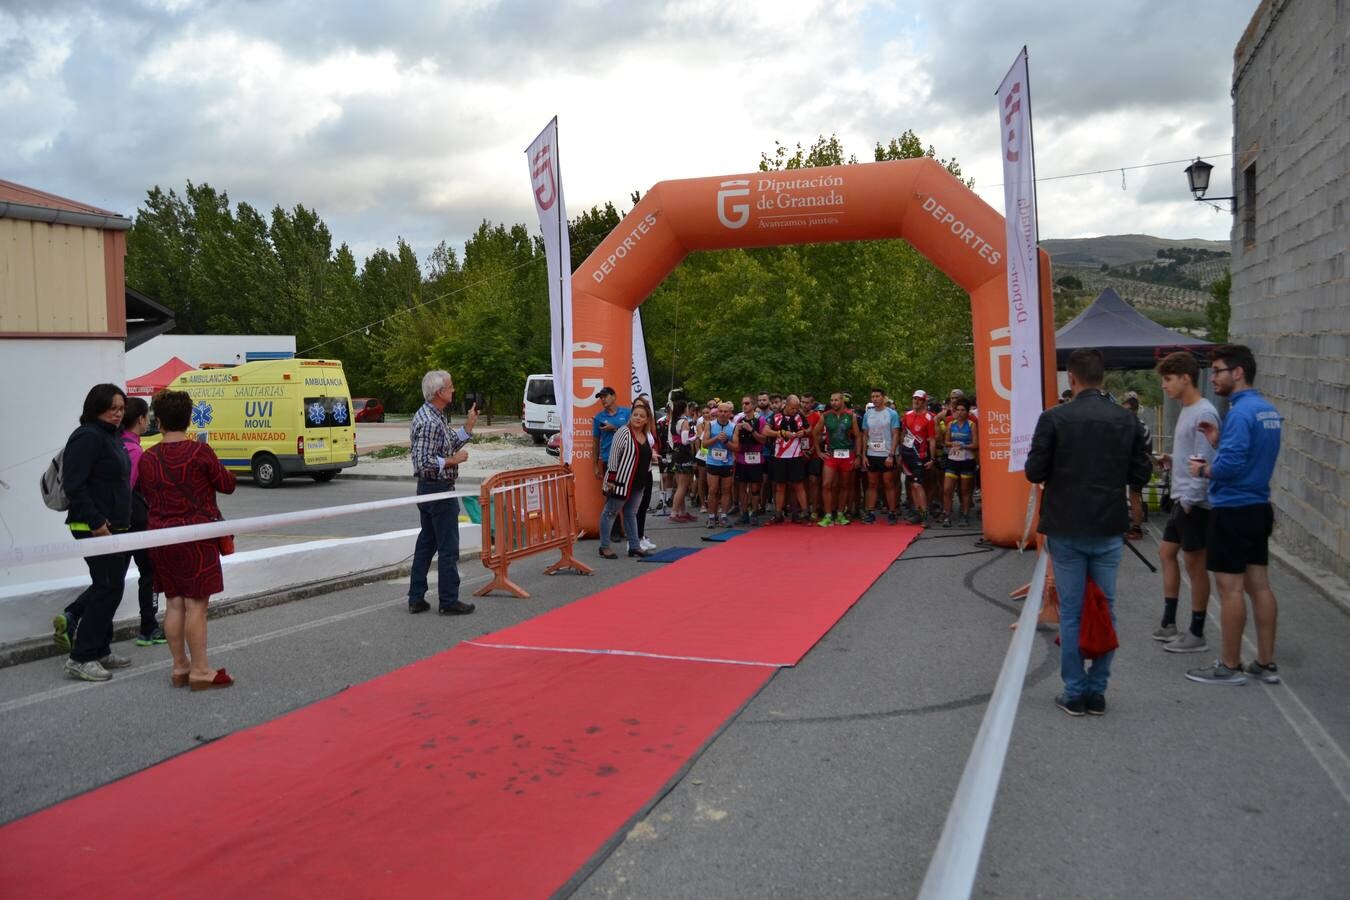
(157, 379)
(1127, 338)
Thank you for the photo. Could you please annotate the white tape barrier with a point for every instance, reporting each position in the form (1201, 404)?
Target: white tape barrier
(951, 872)
(160, 537)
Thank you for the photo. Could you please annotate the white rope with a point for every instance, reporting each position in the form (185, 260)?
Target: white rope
(159, 537)
(951, 872)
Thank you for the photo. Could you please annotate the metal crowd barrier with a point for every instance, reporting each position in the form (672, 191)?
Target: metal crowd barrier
(526, 511)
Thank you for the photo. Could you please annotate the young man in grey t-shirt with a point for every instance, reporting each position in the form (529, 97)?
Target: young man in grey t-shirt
(1189, 520)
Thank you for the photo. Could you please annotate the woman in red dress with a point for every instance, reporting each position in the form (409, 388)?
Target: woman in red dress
(179, 479)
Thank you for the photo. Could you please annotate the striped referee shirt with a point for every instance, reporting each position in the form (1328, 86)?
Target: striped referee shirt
(433, 443)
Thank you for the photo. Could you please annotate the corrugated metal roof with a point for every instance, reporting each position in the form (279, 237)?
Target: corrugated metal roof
(18, 193)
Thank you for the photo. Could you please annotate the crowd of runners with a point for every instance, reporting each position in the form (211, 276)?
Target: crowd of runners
(781, 458)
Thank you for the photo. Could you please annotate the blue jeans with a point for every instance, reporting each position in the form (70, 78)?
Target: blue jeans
(629, 505)
(439, 537)
(1078, 558)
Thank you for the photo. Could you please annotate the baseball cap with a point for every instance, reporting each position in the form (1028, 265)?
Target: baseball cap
(603, 391)
(923, 395)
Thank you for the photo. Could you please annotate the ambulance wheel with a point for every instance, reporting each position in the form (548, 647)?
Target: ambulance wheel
(322, 477)
(266, 471)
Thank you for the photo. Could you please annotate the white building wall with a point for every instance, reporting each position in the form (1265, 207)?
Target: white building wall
(195, 349)
(47, 381)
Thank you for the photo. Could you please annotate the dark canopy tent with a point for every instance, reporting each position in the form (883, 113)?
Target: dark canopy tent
(1127, 338)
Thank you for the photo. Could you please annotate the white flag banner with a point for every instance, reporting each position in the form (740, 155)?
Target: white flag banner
(642, 375)
(1024, 294)
(546, 184)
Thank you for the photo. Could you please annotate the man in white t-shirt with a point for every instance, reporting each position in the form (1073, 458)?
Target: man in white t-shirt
(881, 435)
(1187, 525)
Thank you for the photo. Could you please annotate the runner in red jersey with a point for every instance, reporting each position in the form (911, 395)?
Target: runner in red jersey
(918, 450)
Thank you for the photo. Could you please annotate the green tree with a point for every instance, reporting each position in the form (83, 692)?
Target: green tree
(1217, 310)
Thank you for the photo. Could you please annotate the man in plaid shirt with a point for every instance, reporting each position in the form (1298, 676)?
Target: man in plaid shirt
(436, 455)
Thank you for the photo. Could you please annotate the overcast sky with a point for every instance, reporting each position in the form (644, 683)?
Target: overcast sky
(401, 118)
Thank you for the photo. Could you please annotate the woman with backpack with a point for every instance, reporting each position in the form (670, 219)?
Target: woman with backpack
(180, 478)
(96, 478)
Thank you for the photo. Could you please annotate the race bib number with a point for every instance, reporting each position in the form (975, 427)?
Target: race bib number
(878, 445)
(842, 454)
(958, 453)
(719, 455)
(752, 457)
(909, 441)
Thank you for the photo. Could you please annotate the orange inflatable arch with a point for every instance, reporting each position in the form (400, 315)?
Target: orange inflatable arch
(916, 200)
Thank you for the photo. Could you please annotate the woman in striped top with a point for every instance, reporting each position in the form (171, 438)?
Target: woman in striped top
(630, 455)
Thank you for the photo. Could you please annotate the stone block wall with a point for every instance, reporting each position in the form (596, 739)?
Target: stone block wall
(1291, 268)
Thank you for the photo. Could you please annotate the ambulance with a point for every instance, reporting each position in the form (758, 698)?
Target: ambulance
(274, 418)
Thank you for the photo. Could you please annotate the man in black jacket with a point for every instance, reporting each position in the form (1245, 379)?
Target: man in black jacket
(1085, 453)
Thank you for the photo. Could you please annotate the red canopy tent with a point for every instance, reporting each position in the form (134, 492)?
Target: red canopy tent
(157, 379)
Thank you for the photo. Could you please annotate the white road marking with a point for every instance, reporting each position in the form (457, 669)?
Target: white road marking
(603, 652)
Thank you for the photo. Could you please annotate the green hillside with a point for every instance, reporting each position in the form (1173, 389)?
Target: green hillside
(1117, 249)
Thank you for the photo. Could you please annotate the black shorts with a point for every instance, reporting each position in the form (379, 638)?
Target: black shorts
(750, 474)
(911, 462)
(788, 471)
(878, 464)
(1238, 537)
(1187, 528)
(682, 468)
(961, 468)
(815, 466)
(719, 471)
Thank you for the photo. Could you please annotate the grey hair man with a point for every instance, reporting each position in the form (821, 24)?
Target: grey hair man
(437, 452)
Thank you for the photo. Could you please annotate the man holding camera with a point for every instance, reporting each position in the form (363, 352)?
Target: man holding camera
(436, 455)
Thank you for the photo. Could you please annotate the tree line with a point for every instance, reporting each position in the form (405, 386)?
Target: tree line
(816, 317)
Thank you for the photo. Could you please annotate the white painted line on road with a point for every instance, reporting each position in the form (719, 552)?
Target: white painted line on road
(951, 872)
(1306, 726)
(162, 665)
(603, 652)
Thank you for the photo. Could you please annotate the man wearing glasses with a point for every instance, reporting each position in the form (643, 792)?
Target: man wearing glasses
(436, 455)
(1241, 517)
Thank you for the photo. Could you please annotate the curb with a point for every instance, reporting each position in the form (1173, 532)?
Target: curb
(33, 649)
(1318, 579)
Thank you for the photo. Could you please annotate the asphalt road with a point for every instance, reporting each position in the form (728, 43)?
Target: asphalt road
(301, 493)
(835, 779)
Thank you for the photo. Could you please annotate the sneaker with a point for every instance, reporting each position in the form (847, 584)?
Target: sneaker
(647, 544)
(87, 671)
(458, 608)
(965, 520)
(723, 521)
(1217, 674)
(869, 519)
(418, 606)
(63, 629)
(1165, 633)
(1096, 704)
(744, 519)
(1270, 674)
(1071, 706)
(891, 518)
(841, 519)
(113, 661)
(681, 518)
(947, 522)
(712, 522)
(753, 521)
(154, 637)
(826, 522)
(913, 518)
(703, 509)
(1186, 643)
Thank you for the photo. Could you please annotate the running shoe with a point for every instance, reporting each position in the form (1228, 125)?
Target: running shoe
(869, 519)
(891, 518)
(753, 521)
(1096, 704)
(647, 544)
(826, 522)
(1073, 706)
(724, 521)
(87, 671)
(63, 630)
(712, 521)
(1165, 633)
(1270, 674)
(154, 637)
(113, 661)
(947, 522)
(913, 518)
(1187, 643)
(841, 519)
(743, 519)
(1218, 674)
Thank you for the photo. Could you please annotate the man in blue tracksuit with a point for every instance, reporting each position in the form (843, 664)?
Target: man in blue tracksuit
(1241, 517)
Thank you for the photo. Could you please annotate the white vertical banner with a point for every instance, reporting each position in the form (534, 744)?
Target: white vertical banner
(546, 184)
(1024, 290)
(642, 375)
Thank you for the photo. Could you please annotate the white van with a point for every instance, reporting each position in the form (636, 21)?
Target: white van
(539, 409)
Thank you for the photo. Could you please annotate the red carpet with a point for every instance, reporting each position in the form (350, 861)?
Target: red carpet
(477, 772)
(473, 773)
(767, 597)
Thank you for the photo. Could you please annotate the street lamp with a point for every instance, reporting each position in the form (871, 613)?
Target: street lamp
(1197, 176)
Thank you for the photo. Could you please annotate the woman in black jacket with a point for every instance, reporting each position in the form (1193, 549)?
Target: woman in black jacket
(96, 475)
(629, 455)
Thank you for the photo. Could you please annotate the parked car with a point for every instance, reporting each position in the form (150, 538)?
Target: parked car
(368, 409)
(554, 445)
(539, 408)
